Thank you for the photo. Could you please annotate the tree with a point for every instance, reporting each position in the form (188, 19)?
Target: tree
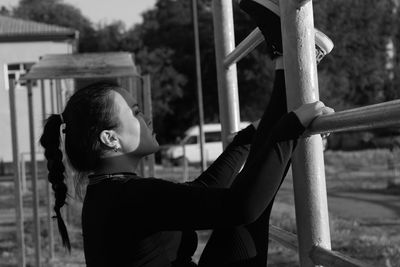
(355, 73)
(168, 27)
(58, 13)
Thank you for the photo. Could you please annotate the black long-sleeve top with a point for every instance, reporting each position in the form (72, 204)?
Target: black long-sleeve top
(124, 217)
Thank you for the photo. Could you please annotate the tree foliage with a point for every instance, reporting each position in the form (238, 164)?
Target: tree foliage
(356, 72)
(58, 13)
(169, 27)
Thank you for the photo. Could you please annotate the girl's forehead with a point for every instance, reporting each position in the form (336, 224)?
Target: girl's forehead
(130, 100)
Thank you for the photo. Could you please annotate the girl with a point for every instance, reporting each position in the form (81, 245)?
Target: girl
(128, 220)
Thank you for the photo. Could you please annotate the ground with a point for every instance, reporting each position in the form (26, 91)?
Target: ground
(363, 200)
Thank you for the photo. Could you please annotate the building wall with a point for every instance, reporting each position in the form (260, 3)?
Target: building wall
(24, 52)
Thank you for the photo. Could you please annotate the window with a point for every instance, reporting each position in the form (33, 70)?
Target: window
(212, 137)
(191, 140)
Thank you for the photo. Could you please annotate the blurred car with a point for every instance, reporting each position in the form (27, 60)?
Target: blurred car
(191, 143)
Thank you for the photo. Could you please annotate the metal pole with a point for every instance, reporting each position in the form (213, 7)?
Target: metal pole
(139, 99)
(48, 187)
(185, 169)
(244, 47)
(59, 96)
(308, 162)
(17, 185)
(23, 174)
(148, 111)
(53, 102)
(224, 40)
(35, 192)
(199, 85)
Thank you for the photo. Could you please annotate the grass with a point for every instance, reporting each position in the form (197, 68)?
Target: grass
(375, 241)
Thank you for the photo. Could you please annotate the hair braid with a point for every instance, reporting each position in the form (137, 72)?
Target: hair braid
(50, 140)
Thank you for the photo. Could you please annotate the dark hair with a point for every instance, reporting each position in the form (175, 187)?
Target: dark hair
(89, 111)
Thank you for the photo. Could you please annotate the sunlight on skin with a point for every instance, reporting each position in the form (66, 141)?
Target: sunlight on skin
(129, 130)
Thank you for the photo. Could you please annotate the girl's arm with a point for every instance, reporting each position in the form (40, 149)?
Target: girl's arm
(224, 169)
(161, 205)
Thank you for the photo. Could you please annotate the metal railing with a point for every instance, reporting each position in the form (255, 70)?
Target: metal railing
(313, 239)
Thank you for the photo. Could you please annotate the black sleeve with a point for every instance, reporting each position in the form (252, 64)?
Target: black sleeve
(224, 169)
(160, 205)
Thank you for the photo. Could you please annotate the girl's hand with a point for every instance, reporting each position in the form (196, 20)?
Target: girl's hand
(308, 112)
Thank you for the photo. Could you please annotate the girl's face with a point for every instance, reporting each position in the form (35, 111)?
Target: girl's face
(135, 132)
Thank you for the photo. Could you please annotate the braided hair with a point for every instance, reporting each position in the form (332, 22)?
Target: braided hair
(50, 140)
(89, 111)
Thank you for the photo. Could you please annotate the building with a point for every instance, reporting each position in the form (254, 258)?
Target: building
(22, 43)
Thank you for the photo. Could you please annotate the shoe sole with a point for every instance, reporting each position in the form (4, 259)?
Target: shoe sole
(321, 39)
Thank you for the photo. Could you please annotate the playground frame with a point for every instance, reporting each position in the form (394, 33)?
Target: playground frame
(313, 240)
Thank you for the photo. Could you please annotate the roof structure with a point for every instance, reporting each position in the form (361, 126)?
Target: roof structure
(89, 65)
(19, 30)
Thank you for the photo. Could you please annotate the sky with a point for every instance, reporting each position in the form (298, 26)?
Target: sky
(106, 10)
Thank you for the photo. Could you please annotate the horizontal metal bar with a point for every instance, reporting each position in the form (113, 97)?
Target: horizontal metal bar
(369, 117)
(328, 258)
(319, 255)
(285, 238)
(245, 47)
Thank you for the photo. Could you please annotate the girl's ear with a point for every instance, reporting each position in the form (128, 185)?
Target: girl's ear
(109, 138)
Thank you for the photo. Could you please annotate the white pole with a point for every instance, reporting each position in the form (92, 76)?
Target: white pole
(224, 39)
(47, 184)
(17, 182)
(308, 162)
(34, 180)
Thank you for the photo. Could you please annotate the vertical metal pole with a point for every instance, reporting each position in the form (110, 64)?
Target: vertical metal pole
(148, 111)
(59, 96)
(308, 162)
(53, 102)
(23, 173)
(139, 99)
(67, 212)
(17, 185)
(199, 85)
(224, 40)
(35, 192)
(48, 187)
(185, 169)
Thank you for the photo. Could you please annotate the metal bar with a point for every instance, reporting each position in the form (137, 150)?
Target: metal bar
(199, 85)
(48, 187)
(17, 182)
(364, 118)
(185, 169)
(244, 47)
(224, 40)
(285, 238)
(308, 163)
(67, 211)
(148, 111)
(139, 99)
(23, 173)
(34, 178)
(59, 96)
(328, 258)
(319, 255)
(52, 97)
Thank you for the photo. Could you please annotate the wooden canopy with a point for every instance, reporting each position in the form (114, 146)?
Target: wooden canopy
(89, 65)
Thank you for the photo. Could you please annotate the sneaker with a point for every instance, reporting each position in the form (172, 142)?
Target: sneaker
(266, 14)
